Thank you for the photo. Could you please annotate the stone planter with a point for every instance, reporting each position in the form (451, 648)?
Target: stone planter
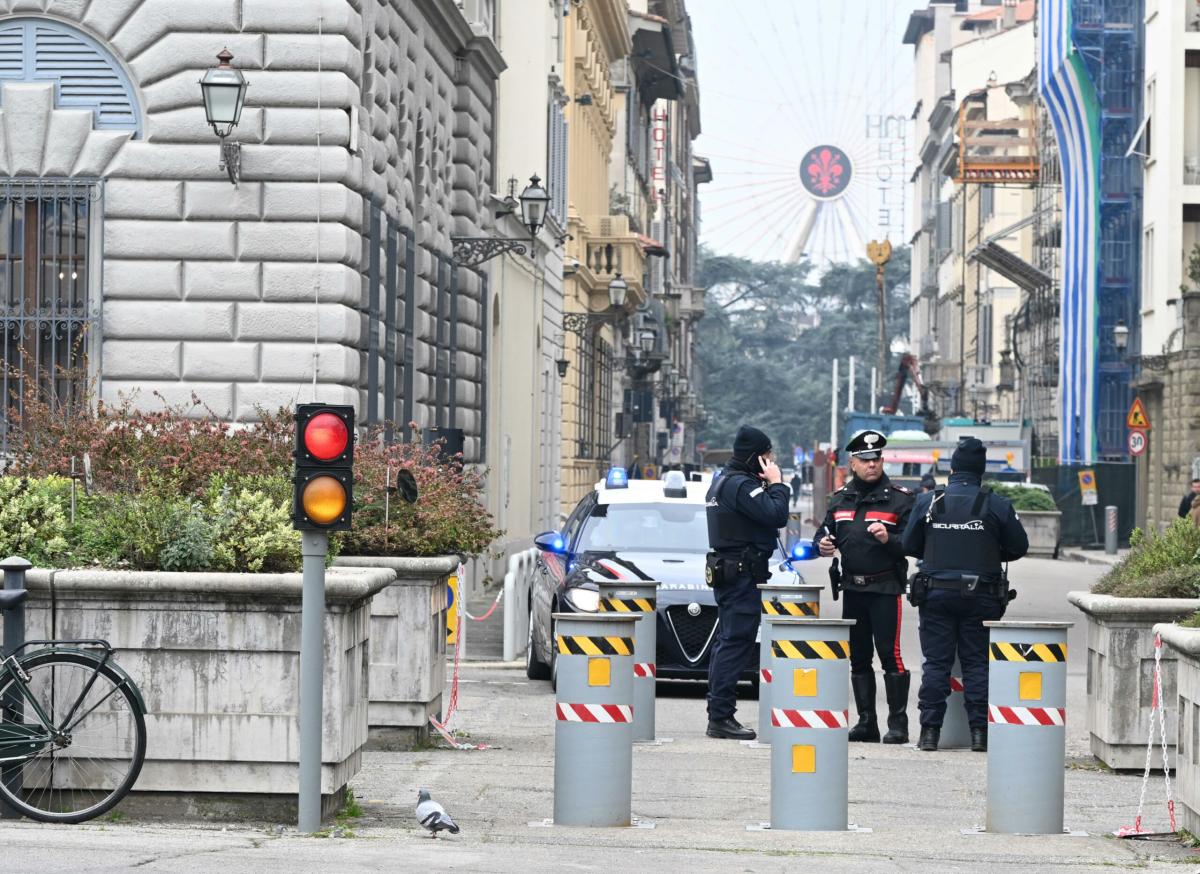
(217, 657)
(408, 647)
(1043, 527)
(1120, 672)
(1184, 645)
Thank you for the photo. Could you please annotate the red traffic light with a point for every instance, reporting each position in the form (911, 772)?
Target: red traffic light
(326, 436)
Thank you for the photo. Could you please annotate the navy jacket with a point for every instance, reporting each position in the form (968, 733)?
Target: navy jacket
(999, 519)
(763, 510)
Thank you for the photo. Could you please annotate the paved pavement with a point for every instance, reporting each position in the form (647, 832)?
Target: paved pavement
(700, 793)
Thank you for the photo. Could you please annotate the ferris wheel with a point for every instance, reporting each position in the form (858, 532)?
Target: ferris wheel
(817, 168)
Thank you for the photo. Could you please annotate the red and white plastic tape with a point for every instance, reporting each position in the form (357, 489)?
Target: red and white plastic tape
(1027, 715)
(645, 669)
(781, 718)
(594, 713)
(766, 674)
(956, 685)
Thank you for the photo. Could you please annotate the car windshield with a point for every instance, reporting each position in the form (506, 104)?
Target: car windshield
(645, 528)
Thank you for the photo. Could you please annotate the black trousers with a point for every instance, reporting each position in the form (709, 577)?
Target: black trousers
(953, 624)
(735, 649)
(877, 625)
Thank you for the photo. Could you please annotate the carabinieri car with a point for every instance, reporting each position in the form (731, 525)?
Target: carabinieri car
(635, 529)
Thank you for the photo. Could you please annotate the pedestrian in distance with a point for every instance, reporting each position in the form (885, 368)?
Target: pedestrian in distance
(746, 507)
(1185, 505)
(964, 536)
(796, 483)
(864, 523)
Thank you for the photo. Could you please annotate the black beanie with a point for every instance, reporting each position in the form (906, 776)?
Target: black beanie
(969, 457)
(750, 442)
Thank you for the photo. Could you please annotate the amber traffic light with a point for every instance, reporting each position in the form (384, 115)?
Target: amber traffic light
(323, 494)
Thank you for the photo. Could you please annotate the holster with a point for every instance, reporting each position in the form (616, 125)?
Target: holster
(835, 578)
(918, 589)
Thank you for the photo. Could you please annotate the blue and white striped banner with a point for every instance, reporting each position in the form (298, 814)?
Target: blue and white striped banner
(1074, 110)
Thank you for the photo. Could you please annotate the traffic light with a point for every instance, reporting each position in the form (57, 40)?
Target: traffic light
(323, 486)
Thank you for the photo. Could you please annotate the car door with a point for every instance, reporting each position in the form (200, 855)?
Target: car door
(551, 570)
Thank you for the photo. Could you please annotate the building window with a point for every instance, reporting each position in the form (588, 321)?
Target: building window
(46, 311)
(585, 426)
(557, 174)
(595, 397)
(987, 202)
(1148, 255)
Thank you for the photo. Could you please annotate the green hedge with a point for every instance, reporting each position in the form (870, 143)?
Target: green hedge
(1023, 497)
(1157, 565)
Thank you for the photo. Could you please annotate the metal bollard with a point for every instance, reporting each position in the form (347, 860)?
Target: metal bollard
(13, 706)
(956, 731)
(638, 598)
(1110, 530)
(1027, 735)
(593, 734)
(779, 600)
(809, 698)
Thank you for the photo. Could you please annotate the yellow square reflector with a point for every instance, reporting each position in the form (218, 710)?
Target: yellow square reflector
(599, 672)
(1030, 685)
(804, 682)
(804, 759)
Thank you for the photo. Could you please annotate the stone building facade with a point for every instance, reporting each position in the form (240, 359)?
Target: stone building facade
(367, 144)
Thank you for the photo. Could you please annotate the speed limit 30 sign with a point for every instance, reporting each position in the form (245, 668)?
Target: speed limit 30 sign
(1136, 441)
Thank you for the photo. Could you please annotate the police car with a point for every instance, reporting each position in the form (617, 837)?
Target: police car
(635, 529)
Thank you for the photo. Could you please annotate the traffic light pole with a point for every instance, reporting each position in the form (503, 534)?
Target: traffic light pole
(314, 546)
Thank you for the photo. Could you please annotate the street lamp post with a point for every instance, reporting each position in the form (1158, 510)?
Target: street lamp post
(224, 91)
(533, 200)
(579, 323)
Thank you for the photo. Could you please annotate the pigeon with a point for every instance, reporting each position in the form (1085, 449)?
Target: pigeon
(433, 816)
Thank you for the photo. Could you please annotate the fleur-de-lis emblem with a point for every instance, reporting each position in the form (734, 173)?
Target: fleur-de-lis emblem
(825, 171)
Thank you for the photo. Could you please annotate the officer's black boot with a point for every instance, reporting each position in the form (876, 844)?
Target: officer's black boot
(930, 735)
(867, 729)
(896, 686)
(979, 740)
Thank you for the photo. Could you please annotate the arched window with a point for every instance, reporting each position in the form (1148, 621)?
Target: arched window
(84, 73)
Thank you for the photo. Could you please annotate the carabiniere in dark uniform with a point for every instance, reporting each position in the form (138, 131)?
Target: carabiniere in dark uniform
(872, 578)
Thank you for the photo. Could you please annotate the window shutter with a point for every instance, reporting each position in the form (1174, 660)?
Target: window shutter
(86, 76)
(12, 52)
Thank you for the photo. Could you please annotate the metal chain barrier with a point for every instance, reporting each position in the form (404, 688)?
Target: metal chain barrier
(452, 705)
(1157, 707)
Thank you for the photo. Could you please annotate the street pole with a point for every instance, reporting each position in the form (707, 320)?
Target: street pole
(833, 410)
(314, 546)
(850, 388)
(875, 405)
(880, 253)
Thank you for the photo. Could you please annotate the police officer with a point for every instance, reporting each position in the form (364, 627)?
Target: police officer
(963, 535)
(746, 507)
(864, 523)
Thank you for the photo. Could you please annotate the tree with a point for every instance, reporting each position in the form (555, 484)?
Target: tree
(771, 332)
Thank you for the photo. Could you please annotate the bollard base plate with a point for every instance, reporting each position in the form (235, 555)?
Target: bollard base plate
(980, 830)
(754, 744)
(635, 822)
(766, 827)
(657, 742)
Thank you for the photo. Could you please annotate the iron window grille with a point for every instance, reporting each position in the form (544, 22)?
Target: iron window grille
(48, 315)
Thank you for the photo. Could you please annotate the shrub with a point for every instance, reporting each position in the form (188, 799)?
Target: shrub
(34, 518)
(1023, 497)
(252, 530)
(1151, 555)
(1177, 582)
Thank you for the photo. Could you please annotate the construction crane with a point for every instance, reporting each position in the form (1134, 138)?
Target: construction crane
(910, 369)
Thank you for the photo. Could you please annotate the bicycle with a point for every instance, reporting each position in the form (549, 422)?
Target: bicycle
(72, 728)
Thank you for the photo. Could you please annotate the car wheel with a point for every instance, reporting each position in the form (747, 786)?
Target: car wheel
(535, 669)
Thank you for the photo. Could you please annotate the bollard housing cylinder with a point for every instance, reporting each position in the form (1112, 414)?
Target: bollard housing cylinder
(779, 599)
(956, 731)
(1110, 530)
(593, 730)
(638, 598)
(809, 700)
(1027, 734)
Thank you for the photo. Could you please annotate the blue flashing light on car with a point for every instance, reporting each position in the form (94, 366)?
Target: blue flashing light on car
(803, 550)
(551, 541)
(617, 478)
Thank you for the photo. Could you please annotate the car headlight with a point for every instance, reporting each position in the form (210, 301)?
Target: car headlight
(583, 600)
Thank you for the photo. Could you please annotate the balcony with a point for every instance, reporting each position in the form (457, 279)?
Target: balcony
(606, 246)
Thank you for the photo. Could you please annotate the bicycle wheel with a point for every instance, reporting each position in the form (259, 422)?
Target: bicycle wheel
(100, 743)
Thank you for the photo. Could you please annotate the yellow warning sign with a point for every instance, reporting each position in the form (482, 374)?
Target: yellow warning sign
(804, 682)
(1137, 417)
(600, 672)
(452, 611)
(1030, 685)
(804, 759)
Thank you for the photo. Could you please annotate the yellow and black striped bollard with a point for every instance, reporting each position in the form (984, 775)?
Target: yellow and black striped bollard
(780, 600)
(638, 598)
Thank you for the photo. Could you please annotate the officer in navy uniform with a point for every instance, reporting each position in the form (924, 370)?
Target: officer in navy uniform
(963, 535)
(746, 507)
(864, 523)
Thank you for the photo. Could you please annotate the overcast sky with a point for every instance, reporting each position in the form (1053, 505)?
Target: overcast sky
(779, 77)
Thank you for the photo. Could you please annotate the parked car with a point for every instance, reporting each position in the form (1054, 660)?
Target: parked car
(635, 529)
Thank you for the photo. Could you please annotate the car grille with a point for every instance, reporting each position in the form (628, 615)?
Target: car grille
(694, 633)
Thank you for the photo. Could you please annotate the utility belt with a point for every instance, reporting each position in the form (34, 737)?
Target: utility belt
(888, 582)
(967, 585)
(722, 568)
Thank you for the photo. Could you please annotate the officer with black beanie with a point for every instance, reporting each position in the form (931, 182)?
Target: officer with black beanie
(964, 536)
(746, 506)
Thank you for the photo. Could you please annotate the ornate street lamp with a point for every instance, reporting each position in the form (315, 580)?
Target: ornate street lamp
(473, 251)
(1121, 336)
(224, 92)
(1008, 371)
(618, 288)
(562, 365)
(646, 339)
